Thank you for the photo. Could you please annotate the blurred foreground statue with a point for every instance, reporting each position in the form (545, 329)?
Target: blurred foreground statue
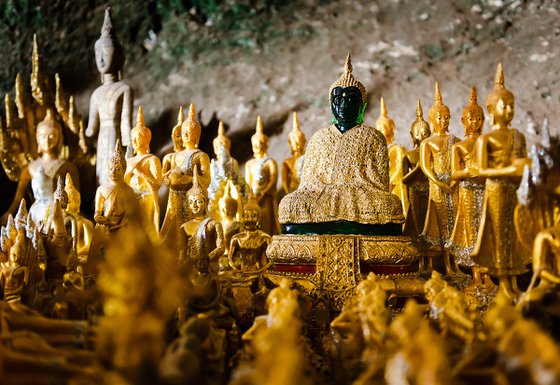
(110, 111)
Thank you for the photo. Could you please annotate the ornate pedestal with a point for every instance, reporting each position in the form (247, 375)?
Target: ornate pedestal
(336, 263)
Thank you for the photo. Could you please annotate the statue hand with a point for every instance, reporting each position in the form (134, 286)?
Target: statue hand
(101, 219)
(472, 172)
(445, 187)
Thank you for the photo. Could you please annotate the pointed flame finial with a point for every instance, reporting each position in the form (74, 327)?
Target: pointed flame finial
(180, 116)
(419, 111)
(437, 95)
(499, 78)
(383, 108)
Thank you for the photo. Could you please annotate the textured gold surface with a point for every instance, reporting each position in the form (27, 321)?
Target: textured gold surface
(348, 80)
(293, 166)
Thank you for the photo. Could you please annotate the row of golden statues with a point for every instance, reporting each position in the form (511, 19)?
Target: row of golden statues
(231, 286)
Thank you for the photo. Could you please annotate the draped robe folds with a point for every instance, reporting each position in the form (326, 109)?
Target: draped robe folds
(345, 177)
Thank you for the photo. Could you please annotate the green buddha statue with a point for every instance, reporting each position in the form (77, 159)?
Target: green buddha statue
(344, 186)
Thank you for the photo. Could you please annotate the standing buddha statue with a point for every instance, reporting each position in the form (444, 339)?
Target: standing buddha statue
(224, 169)
(293, 166)
(501, 157)
(110, 111)
(84, 227)
(464, 168)
(143, 174)
(180, 179)
(168, 162)
(230, 225)
(397, 153)
(435, 161)
(261, 175)
(201, 234)
(418, 187)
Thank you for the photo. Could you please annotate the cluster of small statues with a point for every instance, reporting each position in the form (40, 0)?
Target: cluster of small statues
(188, 292)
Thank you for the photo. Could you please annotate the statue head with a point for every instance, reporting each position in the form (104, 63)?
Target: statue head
(42, 186)
(347, 97)
(191, 130)
(439, 114)
(17, 251)
(176, 134)
(259, 141)
(472, 116)
(296, 138)
(500, 101)
(420, 129)
(227, 204)
(140, 134)
(117, 164)
(202, 263)
(384, 124)
(74, 198)
(49, 135)
(221, 140)
(109, 55)
(251, 213)
(197, 196)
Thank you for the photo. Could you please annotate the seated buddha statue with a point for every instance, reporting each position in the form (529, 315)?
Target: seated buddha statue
(344, 187)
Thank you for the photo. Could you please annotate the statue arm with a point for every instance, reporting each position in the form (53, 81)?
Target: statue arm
(457, 171)
(482, 161)
(126, 116)
(220, 244)
(99, 202)
(93, 120)
(232, 254)
(285, 176)
(204, 170)
(425, 160)
(273, 172)
(23, 184)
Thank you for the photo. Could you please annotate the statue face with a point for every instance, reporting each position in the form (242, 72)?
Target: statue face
(250, 219)
(42, 188)
(388, 131)
(73, 203)
(104, 55)
(442, 121)
(140, 142)
(190, 137)
(346, 105)
(228, 208)
(116, 172)
(419, 133)
(474, 123)
(259, 146)
(201, 264)
(48, 139)
(220, 147)
(176, 136)
(197, 204)
(503, 112)
(296, 144)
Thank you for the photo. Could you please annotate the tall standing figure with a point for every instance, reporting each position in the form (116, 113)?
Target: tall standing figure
(435, 161)
(502, 155)
(261, 175)
(110, 111)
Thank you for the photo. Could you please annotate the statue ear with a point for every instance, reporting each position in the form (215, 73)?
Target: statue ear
(361, 116)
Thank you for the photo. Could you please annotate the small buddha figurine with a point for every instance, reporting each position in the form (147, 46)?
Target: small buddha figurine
(397, 153)
(41, 186)
(180, 179)
(143, 174)
(418, 187)
(84, 227)
(224, 169)
(49, 144)
(247, 250)
(110, 111)
(230, 225)
(501, 157)
(464, 168)
(14, 276)
(435, 161)
(112, 199)
(168, 162)
(202, 235)
(293, 166)
(344, 186)
(261, 175)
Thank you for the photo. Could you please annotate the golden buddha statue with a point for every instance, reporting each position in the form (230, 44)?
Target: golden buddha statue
(230, 225)
(247, 250)
(464, 168)
(168, 162)
(180, 179)
(345, 176)
(110, 111)
(261, 175)
(84, 227)
(418, 186)
(435, 161)
(397, 153)
(143, 173)
(49, 143)
(13, 274)
(224, 169)
(202, 235)
(113, 199)
(501, 157)
(292, 167)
